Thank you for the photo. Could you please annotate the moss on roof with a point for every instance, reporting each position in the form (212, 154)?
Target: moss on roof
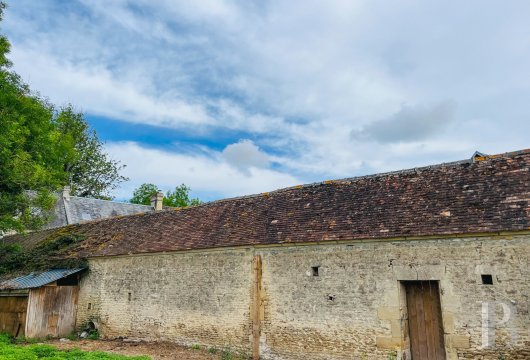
(489, 195)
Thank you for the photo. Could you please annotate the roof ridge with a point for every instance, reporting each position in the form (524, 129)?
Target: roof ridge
(110, 201)
(376, 175)
(314, 184)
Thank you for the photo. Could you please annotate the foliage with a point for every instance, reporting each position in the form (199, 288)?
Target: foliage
(142, 194)
(42, 257)
(4, 43)
(41, 150)
(91, 172)
(228, 354)
(94, 335)
(392, 355)
(212, 350)
(9, 351)
(177, 198)
(180, 197)
(195, 347)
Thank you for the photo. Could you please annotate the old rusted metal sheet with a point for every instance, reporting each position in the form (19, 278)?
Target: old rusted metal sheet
(51, 311)
(13, 315)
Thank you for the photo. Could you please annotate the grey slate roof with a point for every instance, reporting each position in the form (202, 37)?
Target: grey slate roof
(37, 279)
(73, 210)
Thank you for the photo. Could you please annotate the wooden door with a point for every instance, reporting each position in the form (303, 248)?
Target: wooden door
(425, 320)
(13, 315)
(51, 311)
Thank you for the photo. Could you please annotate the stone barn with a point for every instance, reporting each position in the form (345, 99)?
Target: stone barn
(427, 263)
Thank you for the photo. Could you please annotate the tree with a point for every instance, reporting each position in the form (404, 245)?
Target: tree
(180, 197)
(42, 149)
(142, 195)
(28, 151)
(177, 198)
(91, 172)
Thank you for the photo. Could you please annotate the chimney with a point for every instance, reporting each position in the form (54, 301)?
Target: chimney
(66, 192)
(156, 200)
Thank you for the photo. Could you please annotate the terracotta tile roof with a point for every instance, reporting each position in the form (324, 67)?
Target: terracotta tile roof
(490, 194)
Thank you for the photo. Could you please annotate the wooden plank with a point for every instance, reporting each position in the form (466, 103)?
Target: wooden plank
(422, 338)
(438, 331)
(256, 305)
(13, 315)
(51, 311)
(413, 320)
(430, 335)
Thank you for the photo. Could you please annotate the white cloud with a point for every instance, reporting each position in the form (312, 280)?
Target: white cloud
(300, 76)
(245, 155)
(100, 92)
(208, 175)
(409, 124)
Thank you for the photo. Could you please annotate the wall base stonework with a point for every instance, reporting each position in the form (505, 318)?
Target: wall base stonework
(329, 301)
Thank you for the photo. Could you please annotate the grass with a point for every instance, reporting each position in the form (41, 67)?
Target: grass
(10, 351)
(94, 335)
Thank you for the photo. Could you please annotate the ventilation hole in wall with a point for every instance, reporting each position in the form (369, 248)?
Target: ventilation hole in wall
(315, 270)
(89, 306)
(487, 279)
(129, 296)
(331, 297)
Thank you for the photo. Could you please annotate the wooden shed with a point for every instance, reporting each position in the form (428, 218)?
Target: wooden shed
(40, 304)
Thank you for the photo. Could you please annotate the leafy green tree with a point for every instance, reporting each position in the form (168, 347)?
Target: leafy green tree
(91, 172)
(29, 149)
(142, 195)
(42, 149)
(179, 197)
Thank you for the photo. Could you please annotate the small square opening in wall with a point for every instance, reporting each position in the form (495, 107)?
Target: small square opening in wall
(315, 270)
(487, 279)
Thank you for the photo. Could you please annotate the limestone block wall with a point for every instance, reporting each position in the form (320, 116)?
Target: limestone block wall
(188, 297)
(356, 307)
(332, 301)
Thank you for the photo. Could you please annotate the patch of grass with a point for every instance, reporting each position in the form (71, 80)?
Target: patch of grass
(72, 336)
(94, 335)
(227, 354)
(195, 347)
(212, 350)
(392, 355)
(11, 351)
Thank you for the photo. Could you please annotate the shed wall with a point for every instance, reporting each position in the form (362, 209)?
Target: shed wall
(13, 314)
(51, 311)
(354, 308)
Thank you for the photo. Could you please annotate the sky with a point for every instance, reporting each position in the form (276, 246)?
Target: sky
(241, 97)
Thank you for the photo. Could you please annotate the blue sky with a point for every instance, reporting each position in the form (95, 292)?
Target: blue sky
(241, 97)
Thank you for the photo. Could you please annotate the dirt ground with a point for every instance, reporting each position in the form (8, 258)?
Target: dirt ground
(157, 351)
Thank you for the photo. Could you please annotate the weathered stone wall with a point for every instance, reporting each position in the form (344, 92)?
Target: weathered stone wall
(188, 297)
(353, 309)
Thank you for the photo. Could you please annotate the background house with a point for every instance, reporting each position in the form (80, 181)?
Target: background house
(74, 209)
